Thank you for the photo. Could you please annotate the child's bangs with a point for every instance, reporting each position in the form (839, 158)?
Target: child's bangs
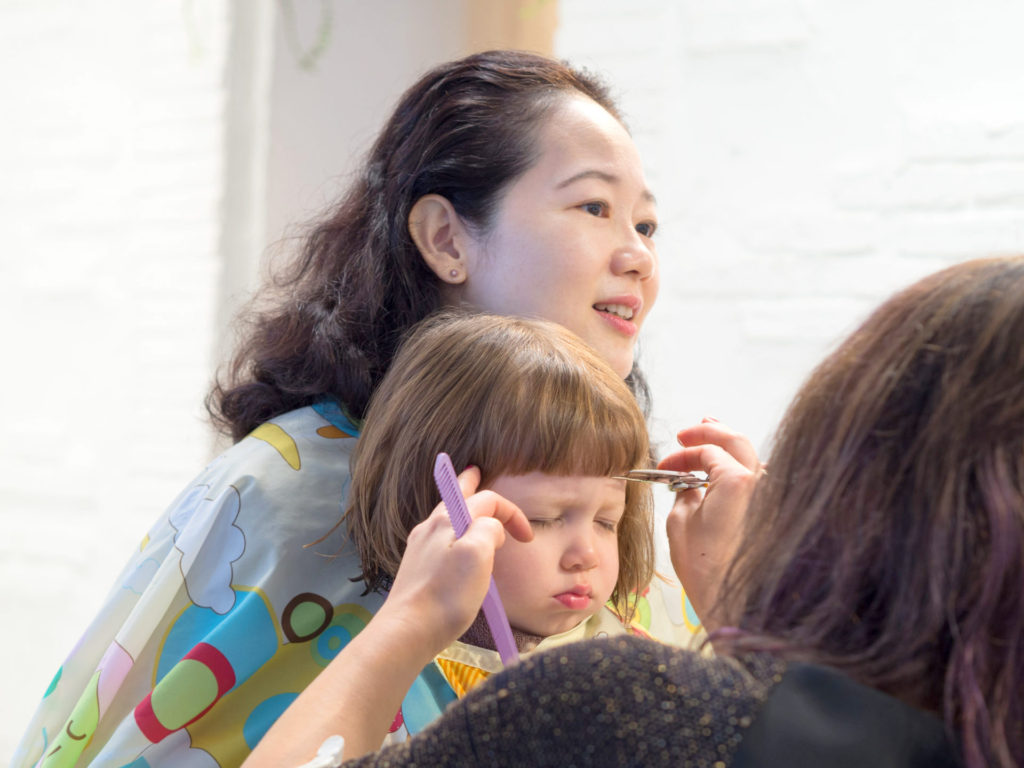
(566, 421)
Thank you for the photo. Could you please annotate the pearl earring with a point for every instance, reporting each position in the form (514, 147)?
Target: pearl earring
(454, 273)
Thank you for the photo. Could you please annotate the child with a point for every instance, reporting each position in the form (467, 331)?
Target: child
(548, 423)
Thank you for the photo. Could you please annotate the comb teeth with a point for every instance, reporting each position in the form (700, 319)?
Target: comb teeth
(451, 494)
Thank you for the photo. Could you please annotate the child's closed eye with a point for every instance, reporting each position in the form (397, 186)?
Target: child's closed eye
(542, 522)
(608, 525)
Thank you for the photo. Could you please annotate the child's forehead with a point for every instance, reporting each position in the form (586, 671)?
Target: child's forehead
(567, 489)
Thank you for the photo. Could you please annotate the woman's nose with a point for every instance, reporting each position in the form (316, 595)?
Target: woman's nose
(634, 255)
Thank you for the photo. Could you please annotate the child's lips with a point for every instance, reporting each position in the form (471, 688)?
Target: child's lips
(574, 600)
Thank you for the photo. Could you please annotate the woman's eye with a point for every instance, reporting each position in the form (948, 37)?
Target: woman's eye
(594, 209)
(608, 525)
(646, 228)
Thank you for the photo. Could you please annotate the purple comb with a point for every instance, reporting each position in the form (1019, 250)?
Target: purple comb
(458, 513)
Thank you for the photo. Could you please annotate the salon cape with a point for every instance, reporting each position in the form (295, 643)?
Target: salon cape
(464, 666)
(228, 609)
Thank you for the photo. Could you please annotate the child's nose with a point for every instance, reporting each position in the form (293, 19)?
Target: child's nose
(580, 554)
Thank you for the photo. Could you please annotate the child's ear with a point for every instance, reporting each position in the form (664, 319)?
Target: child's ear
(441, 237)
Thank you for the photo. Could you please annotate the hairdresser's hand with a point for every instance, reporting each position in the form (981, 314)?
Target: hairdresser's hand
(704, 525)
(442, 580)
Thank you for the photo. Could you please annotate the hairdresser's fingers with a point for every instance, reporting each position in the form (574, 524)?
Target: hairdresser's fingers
(728, 458)
(704, 526)
(705, 457)
(469, 480)
(700, 548)
(721, 467)
(697, 565)
(711, 432)
(442, 580)
(488, 504)
(730, 483)
(703, 529)
(688, 500)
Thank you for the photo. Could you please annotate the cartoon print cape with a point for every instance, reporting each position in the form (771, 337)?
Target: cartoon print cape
(228, 610)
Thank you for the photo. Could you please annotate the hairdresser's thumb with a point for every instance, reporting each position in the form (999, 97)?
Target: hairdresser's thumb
(469, 480)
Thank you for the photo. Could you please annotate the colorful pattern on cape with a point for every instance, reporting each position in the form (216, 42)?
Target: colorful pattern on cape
(236, 599)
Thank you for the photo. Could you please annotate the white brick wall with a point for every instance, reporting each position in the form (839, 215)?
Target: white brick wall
(111, 152)
(809, 158)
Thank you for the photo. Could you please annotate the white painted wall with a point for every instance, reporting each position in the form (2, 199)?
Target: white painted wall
(809, 157)
(110, 191)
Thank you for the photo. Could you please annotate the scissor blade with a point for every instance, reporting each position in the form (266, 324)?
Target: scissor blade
(676, 481)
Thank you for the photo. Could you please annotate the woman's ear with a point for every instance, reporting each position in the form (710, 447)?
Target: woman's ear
(441, 237)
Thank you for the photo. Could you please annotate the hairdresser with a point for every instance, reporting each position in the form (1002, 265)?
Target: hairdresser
(504, 181)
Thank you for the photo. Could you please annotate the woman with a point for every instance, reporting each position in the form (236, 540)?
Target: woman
(872, 613)
(504, 181)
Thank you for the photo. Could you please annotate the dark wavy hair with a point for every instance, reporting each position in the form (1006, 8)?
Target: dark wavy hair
(887, 539)
(329, 324)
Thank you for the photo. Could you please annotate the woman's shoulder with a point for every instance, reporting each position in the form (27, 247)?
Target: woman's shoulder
(632, 695)
(663, 685)
(625, 701)
(273, 500)
(294, 446)
(663, 665)
(816, 715)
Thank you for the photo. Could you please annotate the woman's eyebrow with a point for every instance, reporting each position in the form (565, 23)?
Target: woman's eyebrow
(610, 178)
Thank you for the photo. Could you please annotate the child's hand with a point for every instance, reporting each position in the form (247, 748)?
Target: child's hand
(442, 580)
(704, 526)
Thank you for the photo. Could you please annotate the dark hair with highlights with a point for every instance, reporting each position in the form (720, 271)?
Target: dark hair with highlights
(511, 396)
(330, 323)
(887, 539)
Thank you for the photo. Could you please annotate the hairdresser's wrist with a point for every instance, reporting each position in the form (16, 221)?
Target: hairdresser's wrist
(420, 634)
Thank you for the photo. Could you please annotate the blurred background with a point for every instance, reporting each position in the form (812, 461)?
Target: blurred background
(809, 157)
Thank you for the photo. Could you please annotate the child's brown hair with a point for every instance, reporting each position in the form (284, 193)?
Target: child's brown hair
(511, 396)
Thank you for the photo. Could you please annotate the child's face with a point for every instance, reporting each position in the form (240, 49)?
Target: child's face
(551, 584)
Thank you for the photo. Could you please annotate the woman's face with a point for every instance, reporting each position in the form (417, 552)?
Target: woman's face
(571, 239)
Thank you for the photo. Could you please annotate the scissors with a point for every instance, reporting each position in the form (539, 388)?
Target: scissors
(676, 481)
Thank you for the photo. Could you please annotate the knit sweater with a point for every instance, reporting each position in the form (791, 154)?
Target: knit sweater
(627, 701)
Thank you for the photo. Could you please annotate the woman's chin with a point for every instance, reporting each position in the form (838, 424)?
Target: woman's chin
(621, 363)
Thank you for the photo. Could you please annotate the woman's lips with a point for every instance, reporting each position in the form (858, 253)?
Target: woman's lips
(575, 601)
(623, 313)
(620, 324)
